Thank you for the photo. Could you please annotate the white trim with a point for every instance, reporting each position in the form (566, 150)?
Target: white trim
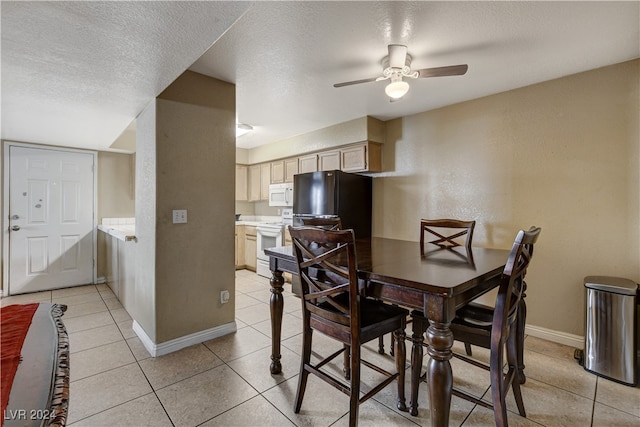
(575, 341)
(101, 280)
(5, 206)
(167, 347)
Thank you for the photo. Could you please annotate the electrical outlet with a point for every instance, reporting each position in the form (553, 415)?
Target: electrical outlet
(180, 216)
(224, 297)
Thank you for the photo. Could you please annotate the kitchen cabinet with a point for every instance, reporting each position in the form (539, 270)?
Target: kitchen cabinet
(120, 269)
(329, 160)
(265, 180)
(254, 183)
(242, 187)
(290, 169)
(250, 247)
(277, 172)
(308, 163)
(240, 243)
(366, 157)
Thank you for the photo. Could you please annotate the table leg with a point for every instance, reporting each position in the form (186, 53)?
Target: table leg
(276, 305)
(417, 357)
(439, 374)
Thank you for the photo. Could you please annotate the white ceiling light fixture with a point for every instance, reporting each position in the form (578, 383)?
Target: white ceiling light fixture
(242, 129)
(397, 88)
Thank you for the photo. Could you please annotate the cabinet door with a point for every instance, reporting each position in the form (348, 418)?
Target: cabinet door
(265, 180)
(240, 237)
(254, 183)
(277, 172)
(250, 248)
(290, 169)
(242, 174)
(354, 158)
(308, 163)
(329, 160)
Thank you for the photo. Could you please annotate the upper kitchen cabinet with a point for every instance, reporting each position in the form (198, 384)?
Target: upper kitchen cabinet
(265, 180)
(308, 163)
(291, 168)
(366, 157)
(242, 187)
(254, 183)
(329, 160)
(277, 172)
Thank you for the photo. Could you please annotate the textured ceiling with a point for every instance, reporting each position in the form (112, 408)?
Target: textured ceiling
(77, 73)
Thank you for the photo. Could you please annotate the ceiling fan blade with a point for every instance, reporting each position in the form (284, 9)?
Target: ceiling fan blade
(451, 70)
(355, 82)
(397, 55)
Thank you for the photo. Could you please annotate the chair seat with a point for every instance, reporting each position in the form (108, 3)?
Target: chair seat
(476, 315)
(376, 317)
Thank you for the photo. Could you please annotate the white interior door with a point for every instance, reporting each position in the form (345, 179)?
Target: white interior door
(51, 219)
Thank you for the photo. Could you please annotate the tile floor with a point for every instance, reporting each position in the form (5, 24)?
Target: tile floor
(226, 381)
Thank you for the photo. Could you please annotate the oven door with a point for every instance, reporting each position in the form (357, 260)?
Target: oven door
(267, 236)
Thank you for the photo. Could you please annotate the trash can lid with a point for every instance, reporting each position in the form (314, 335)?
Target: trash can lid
(616, 285)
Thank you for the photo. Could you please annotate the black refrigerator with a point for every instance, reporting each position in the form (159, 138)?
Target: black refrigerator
(334, 193)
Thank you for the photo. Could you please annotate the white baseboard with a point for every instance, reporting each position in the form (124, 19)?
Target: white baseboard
(575, 341)
(167, 347)
(100, 280)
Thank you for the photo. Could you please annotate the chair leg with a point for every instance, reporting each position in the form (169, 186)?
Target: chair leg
(521, 321)
(346, 369)
(304, 374)
(401, 363)
(354, 397)
(513, 362)
(497, 385)
(467, 348)
(393, 345)
(381, 344)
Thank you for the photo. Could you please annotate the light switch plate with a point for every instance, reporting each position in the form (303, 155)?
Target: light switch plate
(180, 216)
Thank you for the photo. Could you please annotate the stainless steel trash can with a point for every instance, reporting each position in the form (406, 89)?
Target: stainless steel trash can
(610, 337)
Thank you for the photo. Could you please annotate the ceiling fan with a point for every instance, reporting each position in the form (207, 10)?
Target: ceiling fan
(397, 66)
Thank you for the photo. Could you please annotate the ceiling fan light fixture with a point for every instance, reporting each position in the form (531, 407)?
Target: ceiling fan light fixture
(397, 88)
(242, 129)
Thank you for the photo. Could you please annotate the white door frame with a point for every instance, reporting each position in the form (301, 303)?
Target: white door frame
(6, 210)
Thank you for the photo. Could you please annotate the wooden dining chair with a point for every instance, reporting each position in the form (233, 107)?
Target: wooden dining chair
(495, 328)
(449, 233)
(333, 305)
(329, 223)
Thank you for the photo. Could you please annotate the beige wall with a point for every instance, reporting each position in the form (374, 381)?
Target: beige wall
(115, 194)
(185, 149)
(562, 155)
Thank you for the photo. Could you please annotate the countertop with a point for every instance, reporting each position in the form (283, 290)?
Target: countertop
(124, 232)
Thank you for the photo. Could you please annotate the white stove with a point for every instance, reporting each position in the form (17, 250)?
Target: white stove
(270, 235)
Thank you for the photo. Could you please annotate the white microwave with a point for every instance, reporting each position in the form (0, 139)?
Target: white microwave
(281, 194)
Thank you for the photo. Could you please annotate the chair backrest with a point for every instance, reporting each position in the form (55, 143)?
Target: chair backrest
(512, 284)
(329, 223)
(328, 277)
(449, 232)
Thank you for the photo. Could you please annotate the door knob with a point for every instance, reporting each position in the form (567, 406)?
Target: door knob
(15, 227)
(15, 217)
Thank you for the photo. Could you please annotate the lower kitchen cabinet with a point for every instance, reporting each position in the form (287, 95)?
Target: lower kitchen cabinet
(250, 247)
(120, 269)
(240, 237)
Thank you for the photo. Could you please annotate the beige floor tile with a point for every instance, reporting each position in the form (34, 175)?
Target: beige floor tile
(83, 340)
(89, 321)
(100, 392)
(254, 314)
(244, 341)
(102, 287)
(44, 296)
(120, 315)
(143, 411)
(77, 299)
(112, 303)
(605, 416)
(204, 396)
(99, 359)
(291, 326)
(551, 406)
(254, 368)
(562, 373)
(375, 414)
(76, 290)
(245, 285)
(262, 295)
(619, 396)
(138, 349)
(549, 348)
(171, 368)
(254, 412)
(484, 417)
(244, 300)
(75, 310)
(126, 328)
(107, 294)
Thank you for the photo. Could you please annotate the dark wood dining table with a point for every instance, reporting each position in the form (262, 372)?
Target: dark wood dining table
(437, 282)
